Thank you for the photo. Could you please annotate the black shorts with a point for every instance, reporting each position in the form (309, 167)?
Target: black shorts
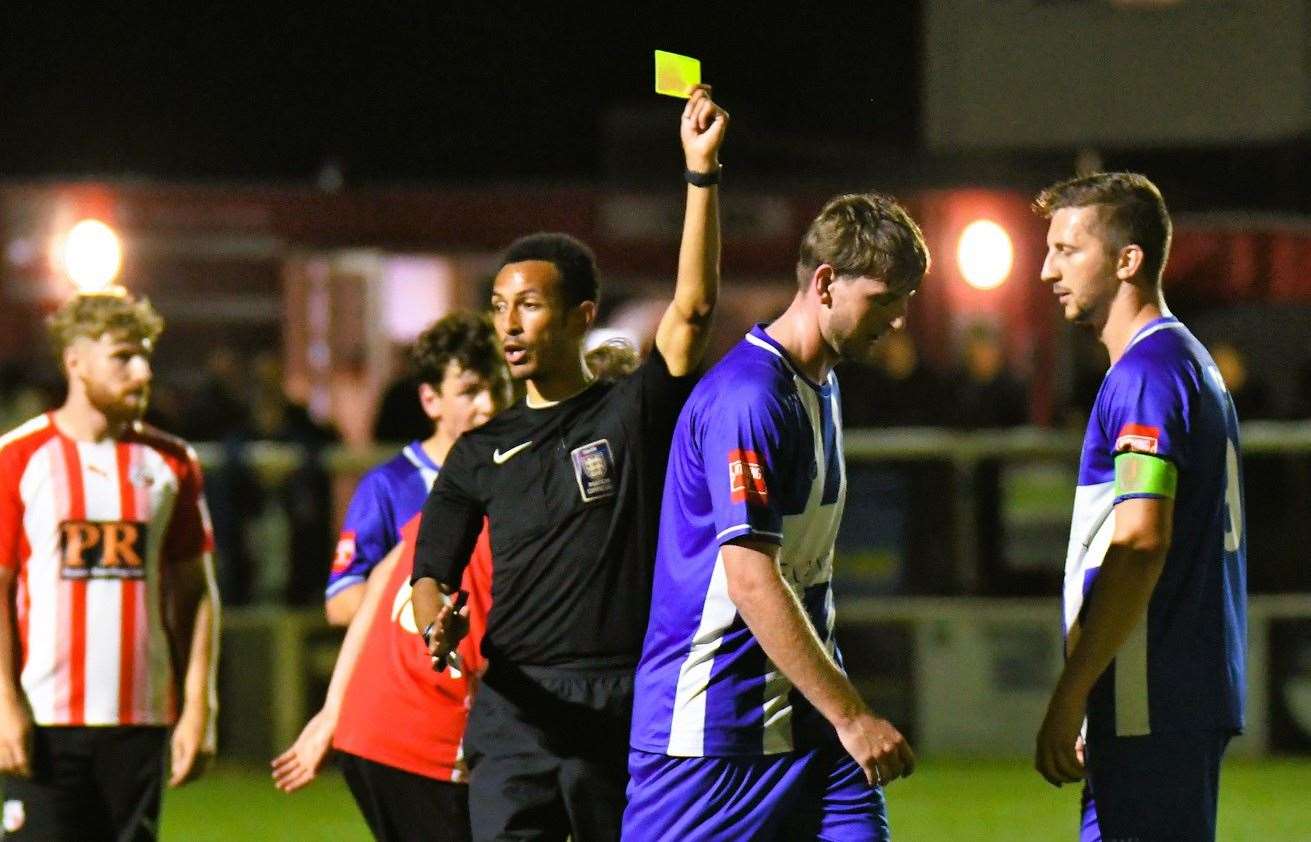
(1156, 788)
(89, 784)
(400, 805)
(548, 753)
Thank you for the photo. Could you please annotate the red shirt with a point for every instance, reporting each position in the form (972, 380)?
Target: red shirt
(397, 710)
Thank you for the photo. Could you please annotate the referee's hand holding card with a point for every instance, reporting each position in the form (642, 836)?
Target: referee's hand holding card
(443, 634)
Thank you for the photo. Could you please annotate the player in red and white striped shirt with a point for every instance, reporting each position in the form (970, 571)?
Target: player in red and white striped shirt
(108, 611)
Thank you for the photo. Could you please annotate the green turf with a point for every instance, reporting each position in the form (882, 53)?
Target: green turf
(955, 800)
(986, 800)
(241, 803)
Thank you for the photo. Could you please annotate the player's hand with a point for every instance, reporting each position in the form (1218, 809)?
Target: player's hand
(878, 747)
(299, 765)
(187, 753)
(702, 130)
(1058, 755)
(15, 739)
(450, 627)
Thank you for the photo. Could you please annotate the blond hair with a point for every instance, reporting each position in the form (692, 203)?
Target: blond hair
(94, 315)
(612, 359)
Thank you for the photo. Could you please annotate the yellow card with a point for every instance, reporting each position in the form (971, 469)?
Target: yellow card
(676, 75)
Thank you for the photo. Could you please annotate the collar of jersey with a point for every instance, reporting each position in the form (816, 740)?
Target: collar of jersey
(1162, 323)
(416, 452)
(550, 404)
(757, 336)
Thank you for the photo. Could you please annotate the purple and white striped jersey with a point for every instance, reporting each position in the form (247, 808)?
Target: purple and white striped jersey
(757, 454)
(1182, 669)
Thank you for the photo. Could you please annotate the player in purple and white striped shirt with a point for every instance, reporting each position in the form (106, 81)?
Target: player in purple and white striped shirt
(1156, 576)
(745, 724)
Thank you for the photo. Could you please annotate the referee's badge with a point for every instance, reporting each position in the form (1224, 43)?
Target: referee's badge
(594, 468)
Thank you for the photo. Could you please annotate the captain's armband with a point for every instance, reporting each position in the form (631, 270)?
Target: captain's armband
(1140, 474)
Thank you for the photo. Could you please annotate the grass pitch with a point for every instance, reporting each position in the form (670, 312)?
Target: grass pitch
(945, 801)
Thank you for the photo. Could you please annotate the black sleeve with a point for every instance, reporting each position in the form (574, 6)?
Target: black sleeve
(663, 395)
(452, 518)
(662, 389)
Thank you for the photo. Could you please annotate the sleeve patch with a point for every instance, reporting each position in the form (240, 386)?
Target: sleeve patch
(1140, 474)
(1138, 438)
(746, 479)
(345, 553)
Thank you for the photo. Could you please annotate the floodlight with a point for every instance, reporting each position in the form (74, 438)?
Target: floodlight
(985, 254)
(92, 255)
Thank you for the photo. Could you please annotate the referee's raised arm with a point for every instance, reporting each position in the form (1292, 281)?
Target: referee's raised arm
(685, 327)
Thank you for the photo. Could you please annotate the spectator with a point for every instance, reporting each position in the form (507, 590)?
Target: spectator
(218, 409)
(306, 495)
(987, 395)
(220, 413)
(896, 392)
(900, 392)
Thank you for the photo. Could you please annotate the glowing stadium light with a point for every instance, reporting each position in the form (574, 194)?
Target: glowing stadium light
(91, 255)
(985, 254)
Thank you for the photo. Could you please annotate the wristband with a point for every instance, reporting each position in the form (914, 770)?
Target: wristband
(427, 634)
(702, 179)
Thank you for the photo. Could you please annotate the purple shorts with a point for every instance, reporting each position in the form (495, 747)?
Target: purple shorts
(817, 794)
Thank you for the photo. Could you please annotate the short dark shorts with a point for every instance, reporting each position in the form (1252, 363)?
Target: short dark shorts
(90, 784)
(1156, 788)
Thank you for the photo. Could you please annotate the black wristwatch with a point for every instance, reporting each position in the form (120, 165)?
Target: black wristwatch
(702, 179)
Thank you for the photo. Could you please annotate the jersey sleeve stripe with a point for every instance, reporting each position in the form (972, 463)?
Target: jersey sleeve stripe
(746, 529)
(342, 584)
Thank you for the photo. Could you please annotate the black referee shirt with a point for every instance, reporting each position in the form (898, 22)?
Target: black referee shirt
(572, 494)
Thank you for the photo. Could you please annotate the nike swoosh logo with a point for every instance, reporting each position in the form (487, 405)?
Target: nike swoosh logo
(501, 458)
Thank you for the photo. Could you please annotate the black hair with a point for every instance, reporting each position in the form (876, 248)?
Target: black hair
(572, 257)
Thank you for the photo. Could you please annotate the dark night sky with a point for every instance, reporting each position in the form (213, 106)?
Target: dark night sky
(416, 91)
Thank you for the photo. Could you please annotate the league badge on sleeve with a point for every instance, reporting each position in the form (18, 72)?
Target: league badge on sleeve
(1138, 438)
(746, 479)
(345, 553)
(594, 468)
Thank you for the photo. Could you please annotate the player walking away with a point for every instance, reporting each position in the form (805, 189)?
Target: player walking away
(398, 724)
(570, 480)
(1155, 580)
(462, 382)
(109, 615)
(746, 725)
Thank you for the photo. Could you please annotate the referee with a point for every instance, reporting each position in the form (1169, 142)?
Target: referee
(570, 480)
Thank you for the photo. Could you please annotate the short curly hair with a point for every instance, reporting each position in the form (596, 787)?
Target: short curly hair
(865, 234)
(462, 337)
(94, 315)
(572, 258)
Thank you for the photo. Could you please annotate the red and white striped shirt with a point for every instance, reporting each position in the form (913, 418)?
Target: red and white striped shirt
(91, 528)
